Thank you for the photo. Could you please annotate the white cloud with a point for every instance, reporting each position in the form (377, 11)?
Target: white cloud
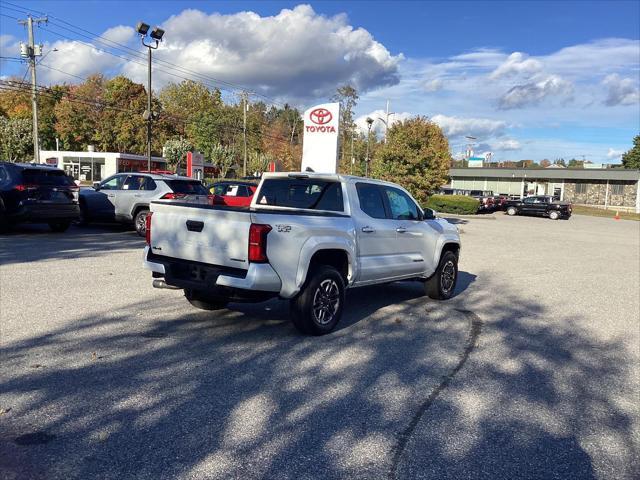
(621, 91)
(517, 63)
(297, 54)
(477, 127)
(433, 85)
(612, 153)
(74, 58)
(119, 34)
(534, 92)
(508, 144)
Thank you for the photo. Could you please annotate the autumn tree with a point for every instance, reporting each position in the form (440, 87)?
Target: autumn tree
(415, 156)
(631, 159)
(16, 139)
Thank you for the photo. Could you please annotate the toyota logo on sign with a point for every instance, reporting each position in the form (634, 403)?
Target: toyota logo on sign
(320, 116)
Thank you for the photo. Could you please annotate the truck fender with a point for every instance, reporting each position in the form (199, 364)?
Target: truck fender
(316, 244)
(442, 241)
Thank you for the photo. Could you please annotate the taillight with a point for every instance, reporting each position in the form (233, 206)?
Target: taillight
(147, 223)
(258, 242)
(173, 196)
(22, 188)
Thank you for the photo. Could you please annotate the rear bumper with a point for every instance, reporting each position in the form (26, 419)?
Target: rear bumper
(42, 212)
(259, 277)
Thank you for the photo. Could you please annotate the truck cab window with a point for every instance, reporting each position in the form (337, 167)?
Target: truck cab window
(371, 201)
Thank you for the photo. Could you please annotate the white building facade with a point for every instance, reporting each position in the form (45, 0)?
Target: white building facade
(92, 167)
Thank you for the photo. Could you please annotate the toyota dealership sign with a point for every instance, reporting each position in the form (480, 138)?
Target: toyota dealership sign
(320, 144)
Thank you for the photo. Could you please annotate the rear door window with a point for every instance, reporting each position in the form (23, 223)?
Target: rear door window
(134, 182)
(371, 200)
(187, 186)
(305, 193)
(54, 178)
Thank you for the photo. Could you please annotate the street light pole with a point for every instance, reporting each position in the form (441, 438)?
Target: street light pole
(366, 165)
(156, 34)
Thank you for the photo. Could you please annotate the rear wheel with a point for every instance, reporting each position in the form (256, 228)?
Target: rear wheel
(553, 215)
(140, 222)
(511, 211)
(442, 283)
(203, 302)
(84, 215)
(59, 227)
(318, 307)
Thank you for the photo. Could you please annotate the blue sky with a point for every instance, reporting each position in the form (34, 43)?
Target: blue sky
(529, 79)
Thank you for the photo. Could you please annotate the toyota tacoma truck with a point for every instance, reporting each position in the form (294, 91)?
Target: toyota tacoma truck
(306, 237)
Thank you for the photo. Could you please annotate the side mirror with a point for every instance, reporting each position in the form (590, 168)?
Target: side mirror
(96, 186)
(430, 214)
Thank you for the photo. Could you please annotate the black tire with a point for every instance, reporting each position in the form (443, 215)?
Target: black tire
(140, 222)
(440, 286)
(511, 211)
(84, 219)
(204, 302)
(553, 215)
(4, 222)
(59, 227)
(317, 309)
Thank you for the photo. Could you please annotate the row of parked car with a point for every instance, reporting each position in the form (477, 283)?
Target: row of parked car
(43, 194)
(537, 205)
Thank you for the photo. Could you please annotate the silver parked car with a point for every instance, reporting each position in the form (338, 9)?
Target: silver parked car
(125, 197)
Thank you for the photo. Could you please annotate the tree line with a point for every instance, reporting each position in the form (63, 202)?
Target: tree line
(189, 116)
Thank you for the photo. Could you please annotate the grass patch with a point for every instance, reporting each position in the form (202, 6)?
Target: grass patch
(601, 212)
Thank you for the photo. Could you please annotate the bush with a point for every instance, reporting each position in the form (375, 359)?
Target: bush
(459, 204)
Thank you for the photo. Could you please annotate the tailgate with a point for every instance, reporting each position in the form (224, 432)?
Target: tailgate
(201, 234)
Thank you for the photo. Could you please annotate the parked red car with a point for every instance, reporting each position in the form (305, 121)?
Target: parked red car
(233, 194)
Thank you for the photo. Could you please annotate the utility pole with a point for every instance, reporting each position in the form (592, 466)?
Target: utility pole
(32, 51)
(386, 123)
(245, 107)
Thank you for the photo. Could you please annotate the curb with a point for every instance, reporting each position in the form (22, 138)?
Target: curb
(478, 217)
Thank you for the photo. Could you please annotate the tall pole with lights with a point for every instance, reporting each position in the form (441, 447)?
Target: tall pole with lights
(156, 34)
(366, 165)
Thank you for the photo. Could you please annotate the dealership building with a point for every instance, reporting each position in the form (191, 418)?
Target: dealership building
(605, 188)
(95, 166)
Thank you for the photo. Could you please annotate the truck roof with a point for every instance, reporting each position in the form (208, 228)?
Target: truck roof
(328, 176)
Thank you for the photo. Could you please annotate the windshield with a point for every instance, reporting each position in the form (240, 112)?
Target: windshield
(186, 186)
(40, 176)
(302, 193)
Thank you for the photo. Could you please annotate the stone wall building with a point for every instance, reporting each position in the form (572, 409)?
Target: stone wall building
(606, 188)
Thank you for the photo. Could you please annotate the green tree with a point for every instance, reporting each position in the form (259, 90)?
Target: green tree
(347, 97)
(631, 159)
(415, 156)
(224, 157)
(16, 139)
(258, 162)
(182, 102)
(175, 151)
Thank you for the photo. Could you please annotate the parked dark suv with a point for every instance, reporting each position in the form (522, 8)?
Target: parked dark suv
(37, 194)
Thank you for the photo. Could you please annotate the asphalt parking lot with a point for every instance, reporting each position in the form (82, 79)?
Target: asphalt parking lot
(530, 371)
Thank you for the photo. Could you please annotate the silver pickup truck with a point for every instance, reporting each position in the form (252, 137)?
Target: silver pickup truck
(305, 237)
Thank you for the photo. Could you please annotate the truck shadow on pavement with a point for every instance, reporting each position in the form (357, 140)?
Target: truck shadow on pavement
(32, 243)
(179, 393)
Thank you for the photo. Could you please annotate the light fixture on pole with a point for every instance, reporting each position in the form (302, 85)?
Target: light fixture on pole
(366, 165)
(156, 34)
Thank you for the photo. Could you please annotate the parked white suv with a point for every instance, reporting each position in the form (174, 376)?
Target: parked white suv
(306, 237)
(125, 197)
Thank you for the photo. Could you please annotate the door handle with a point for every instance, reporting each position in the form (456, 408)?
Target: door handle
(195, 226)
(111, 196)
(368, 229)
(401, 230)
(137, 195)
